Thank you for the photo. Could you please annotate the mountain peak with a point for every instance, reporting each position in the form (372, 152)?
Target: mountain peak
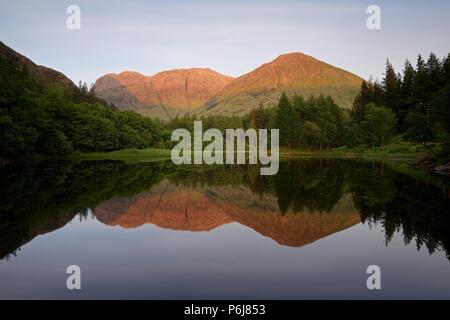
(293, 55)
(128, 73)
(292, 58)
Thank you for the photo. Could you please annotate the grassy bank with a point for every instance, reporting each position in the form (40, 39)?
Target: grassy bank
(126, 154)
(396, 156)
(355, 154)
(398, 150)
(284, 153)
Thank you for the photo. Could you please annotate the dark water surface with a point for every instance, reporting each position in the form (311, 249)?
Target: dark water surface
(154, 230)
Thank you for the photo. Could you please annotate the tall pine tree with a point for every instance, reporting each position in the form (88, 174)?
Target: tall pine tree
(285, 120)
(406, 102)
(391, 86)
(363, 98)
(434, 69)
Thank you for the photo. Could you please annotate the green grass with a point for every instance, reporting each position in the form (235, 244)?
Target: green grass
(126, 154)
(403, 151)
(395, 155)
(396, 150)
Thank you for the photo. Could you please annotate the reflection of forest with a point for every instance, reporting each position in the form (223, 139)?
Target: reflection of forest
(305, 201)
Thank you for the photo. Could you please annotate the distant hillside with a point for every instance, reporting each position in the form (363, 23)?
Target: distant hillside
(204, 91)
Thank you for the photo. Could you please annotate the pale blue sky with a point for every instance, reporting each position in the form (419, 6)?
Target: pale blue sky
(231, 37)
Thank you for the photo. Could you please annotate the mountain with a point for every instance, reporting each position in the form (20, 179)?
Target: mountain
(204, 208)
(164, 94)
(204, 91)
(291, 73)
(38, 72)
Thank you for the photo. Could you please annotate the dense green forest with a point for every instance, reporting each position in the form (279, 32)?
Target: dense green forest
(38, 116)
(419, 98)
(314, 122)
(414, 104)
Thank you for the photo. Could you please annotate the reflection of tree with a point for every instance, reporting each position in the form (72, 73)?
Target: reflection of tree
(401, 204)
(374, 188)
(316, 185)
(199, 176)
(40, 198)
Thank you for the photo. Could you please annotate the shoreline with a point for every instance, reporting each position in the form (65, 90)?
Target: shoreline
(413, 161)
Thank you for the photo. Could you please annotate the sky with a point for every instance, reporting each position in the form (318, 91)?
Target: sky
(231, 37)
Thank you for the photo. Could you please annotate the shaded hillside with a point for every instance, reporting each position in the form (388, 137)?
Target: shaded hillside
(34, 70)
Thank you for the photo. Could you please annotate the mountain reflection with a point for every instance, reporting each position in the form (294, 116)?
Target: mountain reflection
(307, 200)
(205, 208)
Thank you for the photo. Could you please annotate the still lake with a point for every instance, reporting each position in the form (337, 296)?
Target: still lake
(154, 230)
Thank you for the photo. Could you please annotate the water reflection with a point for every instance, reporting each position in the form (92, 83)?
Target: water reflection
(307, 200)
(207, 207)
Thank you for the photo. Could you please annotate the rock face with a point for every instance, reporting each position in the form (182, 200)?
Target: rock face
(205, 208)
(204, 91)
(40, 72)
(164, 94)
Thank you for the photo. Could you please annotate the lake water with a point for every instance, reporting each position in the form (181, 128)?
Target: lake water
(155, 230)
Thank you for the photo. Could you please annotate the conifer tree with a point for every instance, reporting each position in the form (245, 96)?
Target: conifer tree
(391, 86)
(285, 120)
(434, 69)
(446, 69)
(363, 98)
(406, 94)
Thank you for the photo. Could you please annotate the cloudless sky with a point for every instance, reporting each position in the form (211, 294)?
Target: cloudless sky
(231, 37)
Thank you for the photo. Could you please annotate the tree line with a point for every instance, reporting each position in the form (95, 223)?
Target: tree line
(415, 104)
(316, 122)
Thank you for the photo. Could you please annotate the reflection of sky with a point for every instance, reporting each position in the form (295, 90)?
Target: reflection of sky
(232, 37)
(231, 261)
